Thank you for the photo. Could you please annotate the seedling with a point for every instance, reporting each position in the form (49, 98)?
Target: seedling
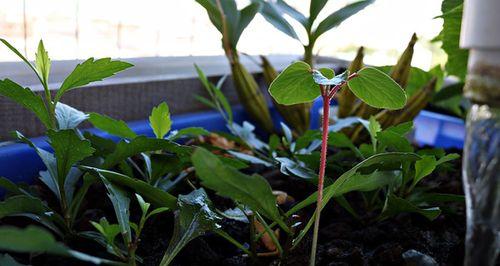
(299, 83)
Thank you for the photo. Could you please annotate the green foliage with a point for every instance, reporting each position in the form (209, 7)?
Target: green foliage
(37, 240)
(194, 218)
(218, 101)
(274, 12)
(160, 120)
(450, 37)
(68, 149)
(236, 20)
(377, 89)
(42, 63)
(27, 98)
(296, 84)
(253, 191)
(114, 127)
(90, 71)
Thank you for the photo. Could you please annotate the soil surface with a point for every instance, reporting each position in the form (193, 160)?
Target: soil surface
(344, 240)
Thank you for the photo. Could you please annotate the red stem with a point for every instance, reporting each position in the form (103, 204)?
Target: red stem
(326, 95)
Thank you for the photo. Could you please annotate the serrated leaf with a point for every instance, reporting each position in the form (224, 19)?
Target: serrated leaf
(27, 98)
(21, 204)
(68, 149)
(90, 71)
(34, 239)
(194, 218)
(68, 117)
(159, 120)
(114, 127)
(377, 89)
(339, 16)
(296, 84)
(42, 63)
(253, 191)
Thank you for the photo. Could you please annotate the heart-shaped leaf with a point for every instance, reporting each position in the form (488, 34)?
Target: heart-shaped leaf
(296, 84)
(377, 89)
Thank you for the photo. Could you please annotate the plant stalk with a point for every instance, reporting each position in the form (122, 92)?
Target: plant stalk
(322, 167)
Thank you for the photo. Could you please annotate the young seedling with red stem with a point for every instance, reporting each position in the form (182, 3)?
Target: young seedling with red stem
(298, 83)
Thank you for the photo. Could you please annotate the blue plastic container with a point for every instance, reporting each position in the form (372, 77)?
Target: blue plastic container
(20, 163)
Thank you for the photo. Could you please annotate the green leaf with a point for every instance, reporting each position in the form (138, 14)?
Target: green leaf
(249, 158)
(314, 8)
(159, 120)
(114, 127)
(253, 191)
(140, 144)
(13, 49)
(447, 158)
(450, 37)
(423, 168)
(34, 239)
(27, 98)
(21, 204)
(109, 231)
(340, 140)
(339, 16)
(395, 205)
(187, 132)
(90, 71)
(143, 204)
(152, 194)
(377, 89)
(292, 12)
(339, 187)
(42, 63)
(369, 182)
(7, 260)
(393, 142)
(213, 13)
(401, 129)
(194, 218)
(121, 204)
(294, 168)
(68, 117)
(296, 84)
(373, 128)
(274, 15)
(68, 149)
(246, 16)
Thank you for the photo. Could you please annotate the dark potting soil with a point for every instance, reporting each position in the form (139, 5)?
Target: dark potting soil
(343, 239)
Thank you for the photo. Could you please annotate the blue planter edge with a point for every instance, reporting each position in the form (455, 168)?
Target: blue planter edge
(20, 163)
